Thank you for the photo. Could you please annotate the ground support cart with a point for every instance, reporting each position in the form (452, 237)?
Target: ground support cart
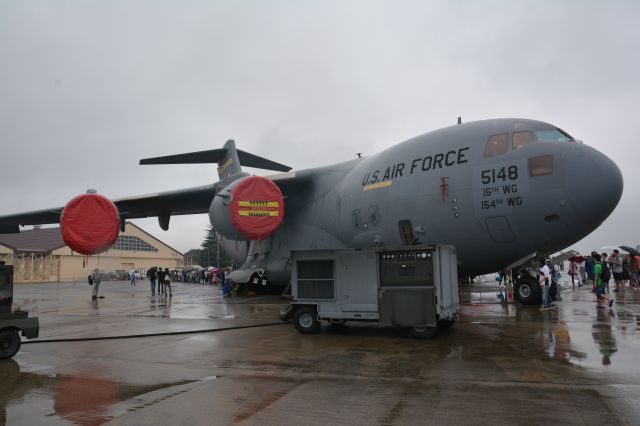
(12, 323)
(413, 287)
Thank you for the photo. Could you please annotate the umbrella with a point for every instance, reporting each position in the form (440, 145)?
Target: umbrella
(576, 259)
(630, 250)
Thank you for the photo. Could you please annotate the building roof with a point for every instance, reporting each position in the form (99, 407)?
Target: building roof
(38, 240)
(155, 238)
(45, 240)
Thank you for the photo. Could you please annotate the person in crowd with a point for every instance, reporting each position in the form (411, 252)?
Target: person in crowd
(161, 289)
(633, 271)
(226, 287)
(617, 269)
(167, 282)
(588, 267)
(605, 261)
(545, 281)
(151, 273)
(134, 277)
(574, 273)
(601, 292)
(96, 277)
(583, 272)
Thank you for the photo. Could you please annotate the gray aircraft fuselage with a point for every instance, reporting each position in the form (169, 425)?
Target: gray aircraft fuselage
(445, 187)
(499, 190)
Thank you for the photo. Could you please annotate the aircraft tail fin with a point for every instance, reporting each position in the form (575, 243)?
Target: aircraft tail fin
(229, 160)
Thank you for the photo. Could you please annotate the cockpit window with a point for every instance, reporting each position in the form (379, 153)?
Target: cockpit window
(555, 135)
(497, 145)
(520, 139)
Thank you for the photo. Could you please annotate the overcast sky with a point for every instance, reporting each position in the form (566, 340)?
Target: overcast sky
(87, 88)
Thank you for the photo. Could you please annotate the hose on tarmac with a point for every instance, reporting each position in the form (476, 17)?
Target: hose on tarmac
(133, 336)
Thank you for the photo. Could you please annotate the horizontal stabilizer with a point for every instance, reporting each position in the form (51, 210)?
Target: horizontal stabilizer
(216, 156)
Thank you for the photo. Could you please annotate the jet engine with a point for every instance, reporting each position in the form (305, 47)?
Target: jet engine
(251, 208)
(89, 223)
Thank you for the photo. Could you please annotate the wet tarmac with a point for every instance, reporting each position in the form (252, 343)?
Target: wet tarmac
(499, 364)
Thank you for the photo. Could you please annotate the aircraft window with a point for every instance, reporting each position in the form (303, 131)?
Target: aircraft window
(520, 139)
(496, 145)
(540, 166)
(555, 135)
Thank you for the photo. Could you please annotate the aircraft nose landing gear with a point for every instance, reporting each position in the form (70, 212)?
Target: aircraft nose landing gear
(528, 291)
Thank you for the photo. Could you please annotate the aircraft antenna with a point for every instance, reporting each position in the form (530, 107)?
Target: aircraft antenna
(459, 120)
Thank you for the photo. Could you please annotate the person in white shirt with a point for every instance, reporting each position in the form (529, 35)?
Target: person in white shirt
(545, 282)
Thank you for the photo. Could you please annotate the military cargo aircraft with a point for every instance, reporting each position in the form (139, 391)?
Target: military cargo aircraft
(502, 191)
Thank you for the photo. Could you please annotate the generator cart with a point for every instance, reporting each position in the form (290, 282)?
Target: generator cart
(12, 323)
(414, 287)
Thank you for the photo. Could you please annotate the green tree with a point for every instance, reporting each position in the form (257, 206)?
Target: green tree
(209, 254)
(193, 256)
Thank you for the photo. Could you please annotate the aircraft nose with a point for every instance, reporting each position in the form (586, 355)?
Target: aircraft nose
(594, 184)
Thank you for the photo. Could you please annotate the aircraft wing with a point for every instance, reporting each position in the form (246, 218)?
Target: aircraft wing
(9, 223)
(178, 202)
(169, 203)
(162, 204)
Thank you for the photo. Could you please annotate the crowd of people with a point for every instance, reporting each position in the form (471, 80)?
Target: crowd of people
(596, 271)
(163, 278)
(160, 280)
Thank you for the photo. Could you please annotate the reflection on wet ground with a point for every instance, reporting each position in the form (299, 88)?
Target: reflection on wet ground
(79, 399)
(501, 363)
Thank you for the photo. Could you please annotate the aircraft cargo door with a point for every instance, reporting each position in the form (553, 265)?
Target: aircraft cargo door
(358, 275)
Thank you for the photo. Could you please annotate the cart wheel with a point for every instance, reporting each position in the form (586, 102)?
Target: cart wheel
(423, 332)
(446, 323)
(306, 320)
(9, 343)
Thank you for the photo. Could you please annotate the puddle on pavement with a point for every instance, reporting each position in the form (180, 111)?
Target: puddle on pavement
(65, 399)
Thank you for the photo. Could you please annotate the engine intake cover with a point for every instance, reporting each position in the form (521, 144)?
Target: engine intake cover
(90, 224)
(251, 208)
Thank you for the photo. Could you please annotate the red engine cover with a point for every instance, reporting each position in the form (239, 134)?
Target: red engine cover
(257, 208)
(89, 224)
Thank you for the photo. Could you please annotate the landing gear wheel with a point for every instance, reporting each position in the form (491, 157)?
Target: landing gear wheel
(528, 291)
(9, 343)
(423, 332)
(306, 321)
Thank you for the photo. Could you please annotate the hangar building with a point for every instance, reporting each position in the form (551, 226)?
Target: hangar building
(41, 255)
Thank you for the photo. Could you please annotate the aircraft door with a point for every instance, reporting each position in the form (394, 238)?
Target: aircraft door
(358, 278)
